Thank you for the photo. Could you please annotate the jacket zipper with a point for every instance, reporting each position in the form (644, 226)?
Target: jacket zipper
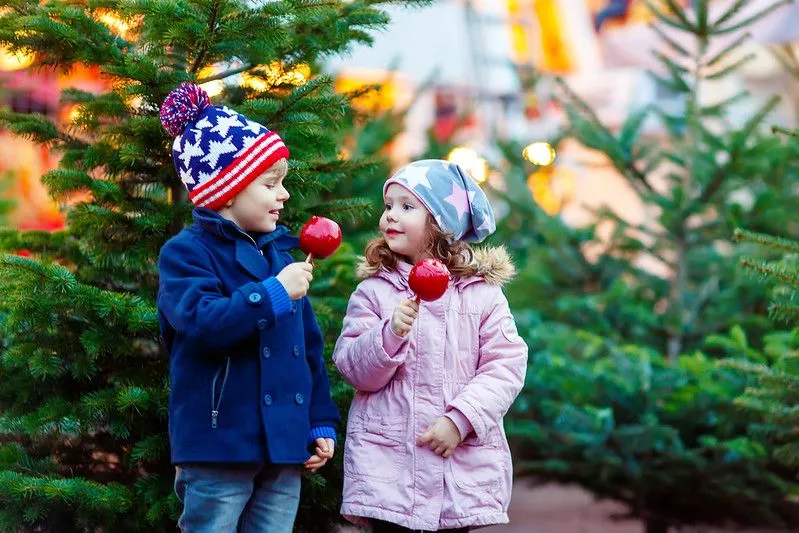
(214, 403)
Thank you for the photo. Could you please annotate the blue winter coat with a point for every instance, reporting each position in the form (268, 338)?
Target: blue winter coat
(248, 381)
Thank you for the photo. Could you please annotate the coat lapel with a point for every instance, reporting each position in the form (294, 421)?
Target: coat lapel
(251, 259)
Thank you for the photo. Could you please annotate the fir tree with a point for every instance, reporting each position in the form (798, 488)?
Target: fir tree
(775, 395)
(623, 394)
(83, 443)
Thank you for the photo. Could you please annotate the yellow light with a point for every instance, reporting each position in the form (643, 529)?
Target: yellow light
(539, 153)
(134, 102)
(74, 114)
(14, 61)
(299, 74)
(551, 187)
(213, 88)
(471, 162)
(276, 74)
(253, 82)
(376, 100)
(110, 19)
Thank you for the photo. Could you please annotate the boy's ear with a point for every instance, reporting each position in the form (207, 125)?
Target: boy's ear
(229, 203)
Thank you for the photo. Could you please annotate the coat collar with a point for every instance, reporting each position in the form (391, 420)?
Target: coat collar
(253, 263)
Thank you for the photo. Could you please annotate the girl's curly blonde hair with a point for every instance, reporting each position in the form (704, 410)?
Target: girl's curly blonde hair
(458, 256)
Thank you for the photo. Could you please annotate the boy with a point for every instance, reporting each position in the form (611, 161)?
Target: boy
(249, 388)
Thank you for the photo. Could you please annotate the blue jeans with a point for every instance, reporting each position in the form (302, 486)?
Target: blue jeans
(242, 498)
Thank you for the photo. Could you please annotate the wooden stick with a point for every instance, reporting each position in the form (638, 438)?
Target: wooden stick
(308, 259)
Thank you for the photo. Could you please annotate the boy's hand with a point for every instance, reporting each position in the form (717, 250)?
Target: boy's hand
(296, 279)
(325, 448)
(442, 437)
(404, 316)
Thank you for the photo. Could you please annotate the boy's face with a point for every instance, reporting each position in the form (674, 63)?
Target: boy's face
(404, 222)
(257, 207)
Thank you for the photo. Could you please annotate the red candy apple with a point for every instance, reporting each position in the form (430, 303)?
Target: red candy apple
(429, 279)
(320, 237)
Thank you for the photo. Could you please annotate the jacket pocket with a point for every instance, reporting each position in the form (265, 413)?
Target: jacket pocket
(477, 464)
(375, 448)
(220, 375)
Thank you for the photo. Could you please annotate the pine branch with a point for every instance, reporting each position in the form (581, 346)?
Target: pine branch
(628, 166)
(198, 61)
(680, 23)
(728, 49)
(716, 29)
(768, 241)
(770, 271)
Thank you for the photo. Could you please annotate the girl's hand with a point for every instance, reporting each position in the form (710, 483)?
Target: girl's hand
(442, 437)
(325, 448)
(404, 316)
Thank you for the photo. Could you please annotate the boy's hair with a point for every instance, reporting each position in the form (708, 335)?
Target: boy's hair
(279, 168)
(458, 256)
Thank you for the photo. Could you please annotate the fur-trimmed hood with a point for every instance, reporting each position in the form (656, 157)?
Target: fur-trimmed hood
(494, 266)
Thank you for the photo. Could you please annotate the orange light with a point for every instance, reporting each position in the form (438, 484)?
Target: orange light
(552, 188)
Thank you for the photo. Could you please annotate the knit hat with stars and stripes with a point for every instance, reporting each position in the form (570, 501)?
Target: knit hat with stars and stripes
(217, 152)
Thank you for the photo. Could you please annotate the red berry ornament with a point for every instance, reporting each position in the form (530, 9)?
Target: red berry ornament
(429, 279)
(320, 237)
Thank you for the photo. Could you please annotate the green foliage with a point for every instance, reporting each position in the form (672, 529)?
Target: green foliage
(774, 395)
(661, 437)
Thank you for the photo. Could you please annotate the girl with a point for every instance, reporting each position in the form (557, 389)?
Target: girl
(425, 446)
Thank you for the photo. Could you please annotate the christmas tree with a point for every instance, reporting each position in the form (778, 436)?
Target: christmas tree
(83, 443)
(624, 396)
(775, 394)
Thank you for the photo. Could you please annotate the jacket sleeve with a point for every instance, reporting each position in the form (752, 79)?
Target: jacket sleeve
(368, 352)
(190, 297)
(323, 412)
(501, 367)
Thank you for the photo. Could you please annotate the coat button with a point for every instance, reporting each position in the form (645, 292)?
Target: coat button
(296, 351)
(267, 353)
(293, 309)
(299, 399)
(268, 399)
(254, 297)
(262, 324)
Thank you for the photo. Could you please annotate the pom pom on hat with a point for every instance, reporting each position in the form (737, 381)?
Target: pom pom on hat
(182, 107)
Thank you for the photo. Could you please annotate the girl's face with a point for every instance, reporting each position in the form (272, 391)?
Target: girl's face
(404, 222)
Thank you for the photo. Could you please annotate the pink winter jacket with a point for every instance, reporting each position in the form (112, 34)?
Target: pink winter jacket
(463, 358)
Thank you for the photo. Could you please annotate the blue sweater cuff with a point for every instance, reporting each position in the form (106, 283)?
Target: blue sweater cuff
(322, 432)
(281, 303)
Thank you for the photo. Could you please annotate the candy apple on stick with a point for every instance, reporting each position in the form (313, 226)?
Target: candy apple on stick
(429, 279)
(320, 237)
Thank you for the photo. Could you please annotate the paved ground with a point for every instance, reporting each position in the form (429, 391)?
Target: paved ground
(561, 509)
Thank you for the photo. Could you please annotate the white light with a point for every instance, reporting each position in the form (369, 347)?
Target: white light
(539, 153)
